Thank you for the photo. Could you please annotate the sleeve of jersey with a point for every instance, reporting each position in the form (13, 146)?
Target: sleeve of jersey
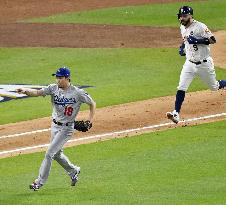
(204, 31)
(84, 97)
(47, 90)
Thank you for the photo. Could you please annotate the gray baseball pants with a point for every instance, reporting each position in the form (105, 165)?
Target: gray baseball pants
(59, 136)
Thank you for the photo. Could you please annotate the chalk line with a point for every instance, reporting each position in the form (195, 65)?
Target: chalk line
(101, 136)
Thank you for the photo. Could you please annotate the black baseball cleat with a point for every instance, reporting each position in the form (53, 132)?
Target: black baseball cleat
(74, 178)
(35, 186)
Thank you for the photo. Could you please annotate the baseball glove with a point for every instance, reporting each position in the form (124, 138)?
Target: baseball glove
(82, 126)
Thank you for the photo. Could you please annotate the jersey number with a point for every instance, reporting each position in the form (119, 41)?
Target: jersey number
(195, 47)
(68, 111)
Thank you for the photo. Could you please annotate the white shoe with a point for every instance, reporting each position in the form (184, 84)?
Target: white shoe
(174, 116)
(74, 178)
(35, 186)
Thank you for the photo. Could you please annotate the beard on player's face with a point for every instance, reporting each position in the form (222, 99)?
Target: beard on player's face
(185, 20)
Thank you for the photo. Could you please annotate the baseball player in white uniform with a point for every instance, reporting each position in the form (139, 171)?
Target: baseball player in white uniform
(66, 101)
(196, 39)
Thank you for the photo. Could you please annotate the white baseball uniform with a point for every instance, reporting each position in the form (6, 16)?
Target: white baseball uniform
(66, 105)
(198, 60)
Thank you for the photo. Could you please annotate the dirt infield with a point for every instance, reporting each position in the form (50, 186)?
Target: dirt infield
(131, 115)
(13, 34)
(219, 49)
(12, 11)
(121, 117)
(86, 36)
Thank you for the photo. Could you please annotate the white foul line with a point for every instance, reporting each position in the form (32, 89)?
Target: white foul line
(100, 136)
(24, 133)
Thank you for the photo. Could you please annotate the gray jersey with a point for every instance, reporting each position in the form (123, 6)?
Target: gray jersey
(66, 103)
(198, 30)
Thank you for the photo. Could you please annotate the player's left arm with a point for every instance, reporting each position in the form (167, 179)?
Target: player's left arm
(84, 126)
(206, 36)
(92, 110)
(87, 99)
(206, 33)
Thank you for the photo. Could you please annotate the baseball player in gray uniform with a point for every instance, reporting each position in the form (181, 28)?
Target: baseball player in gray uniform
(66, 101)
(196, 39)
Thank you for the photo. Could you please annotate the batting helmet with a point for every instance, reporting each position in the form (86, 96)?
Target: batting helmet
(185, 10)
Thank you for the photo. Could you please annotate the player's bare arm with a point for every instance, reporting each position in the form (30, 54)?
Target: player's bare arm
(30, 92)
(92, 109)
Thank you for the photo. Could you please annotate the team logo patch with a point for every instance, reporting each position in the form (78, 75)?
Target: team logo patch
(8, 92)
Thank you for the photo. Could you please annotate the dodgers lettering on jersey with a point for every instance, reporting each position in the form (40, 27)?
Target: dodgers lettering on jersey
(66, 103)
(196, 52)
(63, 101)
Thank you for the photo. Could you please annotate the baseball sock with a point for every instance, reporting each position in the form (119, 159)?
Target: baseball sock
(179, 100)
(222, 83)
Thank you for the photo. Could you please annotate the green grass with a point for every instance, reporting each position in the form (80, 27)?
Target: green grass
(119, 75)
(210, 12)
(179, 166)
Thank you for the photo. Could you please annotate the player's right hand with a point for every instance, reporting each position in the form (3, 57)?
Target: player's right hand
(181, 50)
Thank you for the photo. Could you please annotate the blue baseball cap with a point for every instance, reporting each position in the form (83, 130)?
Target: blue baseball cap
(62, 72)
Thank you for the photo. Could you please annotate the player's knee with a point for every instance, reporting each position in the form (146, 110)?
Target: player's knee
(182, 88)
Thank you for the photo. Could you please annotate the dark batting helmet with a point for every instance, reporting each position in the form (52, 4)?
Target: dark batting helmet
(185, 10)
